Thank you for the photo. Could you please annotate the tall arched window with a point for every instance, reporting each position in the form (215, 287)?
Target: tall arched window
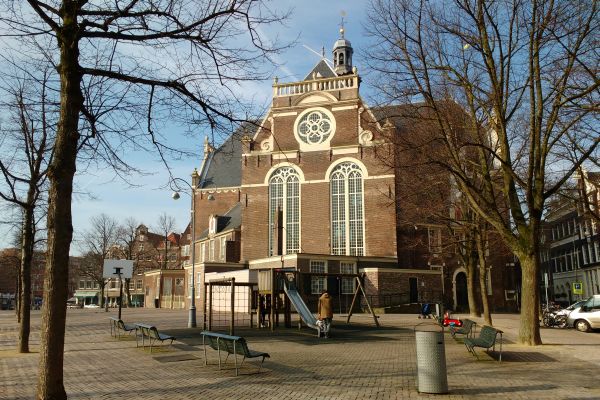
(284, 204)
(347, 220)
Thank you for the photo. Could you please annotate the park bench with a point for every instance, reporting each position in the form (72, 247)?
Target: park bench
(486, 339)
(150, 333)
(117, 325)
(235, 345)
(467, 329)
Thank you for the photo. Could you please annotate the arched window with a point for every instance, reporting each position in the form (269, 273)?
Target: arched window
(284, 211)
(347, 220)
(341, 59)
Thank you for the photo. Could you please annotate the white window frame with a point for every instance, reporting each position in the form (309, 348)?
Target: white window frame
(348, 284)
(318, 283)
(223, 247)
(348, 243)
(288, 198)
(211, 250)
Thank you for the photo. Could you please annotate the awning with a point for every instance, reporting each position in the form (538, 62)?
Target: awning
(86, 293)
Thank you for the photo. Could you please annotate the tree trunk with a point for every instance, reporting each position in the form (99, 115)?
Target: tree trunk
(50, 385)
(25, 279)
(487, 316)
(471, 273)
(529, 329)
(101, 297)
(18, 296)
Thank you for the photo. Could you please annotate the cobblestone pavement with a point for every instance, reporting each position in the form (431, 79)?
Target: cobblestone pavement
(358, 362)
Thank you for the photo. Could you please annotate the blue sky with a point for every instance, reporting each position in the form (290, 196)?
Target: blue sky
(315, 23)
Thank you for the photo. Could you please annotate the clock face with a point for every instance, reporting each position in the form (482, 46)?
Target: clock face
(314, 127)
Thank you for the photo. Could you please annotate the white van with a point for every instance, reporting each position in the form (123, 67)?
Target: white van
(587, 316)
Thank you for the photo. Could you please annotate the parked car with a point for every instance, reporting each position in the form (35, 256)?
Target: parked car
(91, 306)
(586, 316)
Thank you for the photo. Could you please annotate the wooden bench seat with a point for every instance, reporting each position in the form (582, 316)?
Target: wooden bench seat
(235, 345)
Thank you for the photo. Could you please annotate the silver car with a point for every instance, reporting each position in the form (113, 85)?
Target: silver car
(587, 316)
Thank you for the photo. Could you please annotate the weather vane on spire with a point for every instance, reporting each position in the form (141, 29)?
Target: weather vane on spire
(343, 14)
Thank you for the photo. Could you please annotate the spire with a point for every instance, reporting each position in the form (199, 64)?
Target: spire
(342, 53)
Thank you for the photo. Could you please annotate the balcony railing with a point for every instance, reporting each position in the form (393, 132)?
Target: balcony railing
(316, 85)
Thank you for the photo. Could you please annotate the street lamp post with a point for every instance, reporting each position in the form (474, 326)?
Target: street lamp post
(193, 186)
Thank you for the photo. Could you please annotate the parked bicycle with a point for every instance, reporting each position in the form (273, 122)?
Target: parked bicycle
(554, 316)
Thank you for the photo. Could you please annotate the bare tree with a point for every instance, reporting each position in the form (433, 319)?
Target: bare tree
(165, 226)
(26, 154)
(96, 243)
(180, 60)
(525, 75)
(126, 238)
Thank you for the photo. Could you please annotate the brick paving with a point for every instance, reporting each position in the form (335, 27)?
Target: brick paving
(359, 362)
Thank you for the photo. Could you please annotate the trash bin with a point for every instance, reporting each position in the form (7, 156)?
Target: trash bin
(431, 362)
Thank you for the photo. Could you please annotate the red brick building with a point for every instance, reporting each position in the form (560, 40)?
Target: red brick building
(306, 189)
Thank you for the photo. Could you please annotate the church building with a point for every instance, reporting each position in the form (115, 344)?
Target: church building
(305, 188)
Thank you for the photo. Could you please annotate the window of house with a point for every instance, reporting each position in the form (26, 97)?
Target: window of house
(82, 284)
(139, 284)
(96, 285)
(131, 285)
(211, 250)
(203, 252)
(113, 284)
(284, 196)
(347, 221)
(318, 283)
(348, 283)
(223, 248)
(179, 281)
(88, 284)
(435, 240)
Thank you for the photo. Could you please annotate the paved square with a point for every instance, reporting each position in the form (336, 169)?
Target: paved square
(359, 362)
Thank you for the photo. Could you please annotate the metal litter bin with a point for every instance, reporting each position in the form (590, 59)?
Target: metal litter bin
(431, 362)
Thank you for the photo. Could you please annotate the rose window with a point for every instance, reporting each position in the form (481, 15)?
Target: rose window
(314, 128)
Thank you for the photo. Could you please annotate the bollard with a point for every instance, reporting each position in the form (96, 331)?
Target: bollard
(431, 362)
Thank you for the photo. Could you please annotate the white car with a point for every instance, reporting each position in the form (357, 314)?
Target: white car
(587, 316)
(91, 306)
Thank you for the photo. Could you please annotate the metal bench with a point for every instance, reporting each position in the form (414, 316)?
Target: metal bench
(235, 345)
(151, 333)
(468, 329)
(117, 325)
(486, 339)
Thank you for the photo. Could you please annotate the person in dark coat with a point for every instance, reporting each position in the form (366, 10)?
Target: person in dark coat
(326, 311)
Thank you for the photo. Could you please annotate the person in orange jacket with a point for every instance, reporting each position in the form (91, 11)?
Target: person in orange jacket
(326, 311)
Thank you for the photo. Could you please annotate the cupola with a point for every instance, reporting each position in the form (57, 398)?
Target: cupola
(342, 55)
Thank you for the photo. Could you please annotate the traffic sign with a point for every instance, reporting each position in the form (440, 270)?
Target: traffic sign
(577, 288)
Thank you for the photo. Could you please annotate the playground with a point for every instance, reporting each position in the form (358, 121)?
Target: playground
(360, 361)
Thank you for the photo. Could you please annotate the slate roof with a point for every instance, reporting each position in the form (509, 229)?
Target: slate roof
(231, 220)
(224, 165)
(322, 69)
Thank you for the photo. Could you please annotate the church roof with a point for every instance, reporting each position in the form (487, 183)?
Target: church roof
(322, 69)
(224, 165)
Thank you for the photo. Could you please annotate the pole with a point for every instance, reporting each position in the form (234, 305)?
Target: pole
(192, 313)
(120, 291)
(232, 319)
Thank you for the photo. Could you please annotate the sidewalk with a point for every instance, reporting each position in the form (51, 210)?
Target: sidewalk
(358, 362)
